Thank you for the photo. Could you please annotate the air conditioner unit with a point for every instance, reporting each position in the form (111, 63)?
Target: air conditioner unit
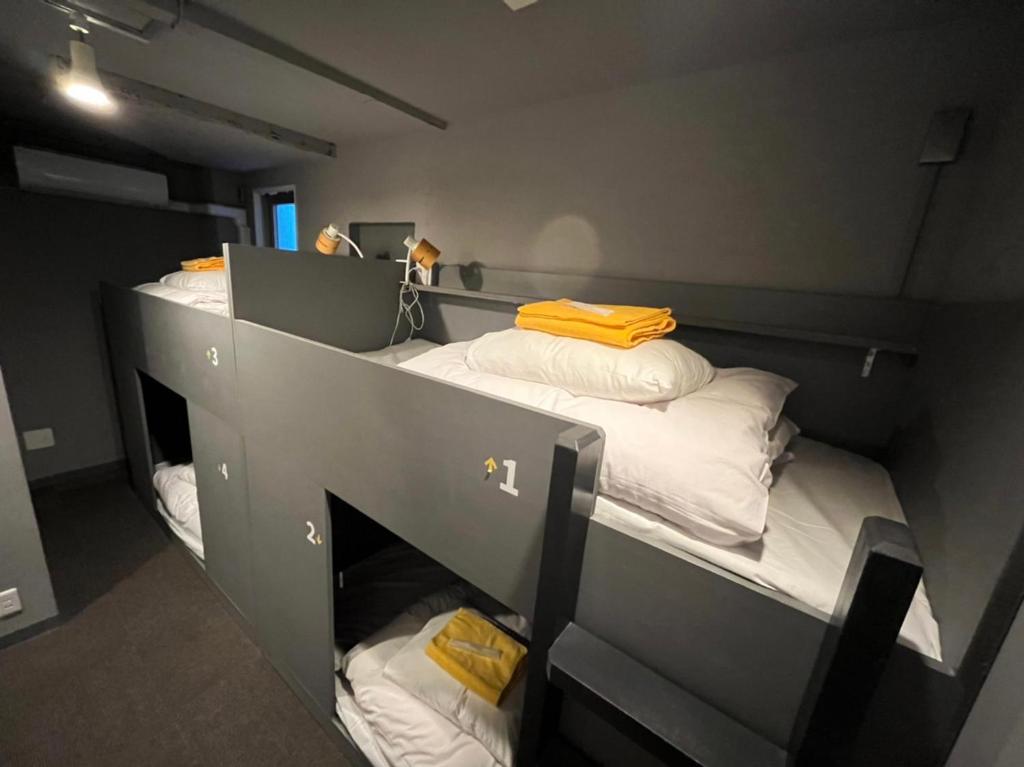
(64, 174)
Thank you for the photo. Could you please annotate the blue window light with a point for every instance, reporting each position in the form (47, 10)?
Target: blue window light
(286, 228)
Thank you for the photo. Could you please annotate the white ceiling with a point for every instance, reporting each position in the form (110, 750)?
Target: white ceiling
(457, 59)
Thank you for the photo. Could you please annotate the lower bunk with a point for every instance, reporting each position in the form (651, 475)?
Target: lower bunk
(398, 705)
(177, 501)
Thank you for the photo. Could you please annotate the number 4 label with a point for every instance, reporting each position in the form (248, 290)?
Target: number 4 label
(509, 485)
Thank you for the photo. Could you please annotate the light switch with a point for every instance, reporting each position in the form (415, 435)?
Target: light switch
(37, 439)
(10, 603)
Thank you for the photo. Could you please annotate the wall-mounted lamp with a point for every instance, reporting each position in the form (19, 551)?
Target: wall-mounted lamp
(82, 83)
(423, 255)
(330, 238)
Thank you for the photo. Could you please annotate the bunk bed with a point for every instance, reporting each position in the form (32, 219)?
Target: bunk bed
(172, 360)
(391, 442)
(344, 455)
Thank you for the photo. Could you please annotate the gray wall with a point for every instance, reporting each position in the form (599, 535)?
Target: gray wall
(971, 248)
(994, 733)
(957, 464)
(56, 250)
(22, 564)
(799, 172)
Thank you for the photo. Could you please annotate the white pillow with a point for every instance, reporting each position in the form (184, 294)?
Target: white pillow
(699, 461)
(495, 727)
(215, 280)
(655, 371)
(779, 439)
(765, 392)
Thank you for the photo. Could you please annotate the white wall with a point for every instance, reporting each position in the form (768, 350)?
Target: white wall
(799, 172)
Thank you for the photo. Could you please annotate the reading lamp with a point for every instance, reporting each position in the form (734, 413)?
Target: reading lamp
(422, 255)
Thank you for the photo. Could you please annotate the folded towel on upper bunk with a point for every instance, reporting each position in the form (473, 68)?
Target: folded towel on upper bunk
(477, 654)
(215, 263)
(623, 326)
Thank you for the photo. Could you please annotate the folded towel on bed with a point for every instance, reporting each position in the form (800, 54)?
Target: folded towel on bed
(216, 263)
(478, 655)
(623, 326)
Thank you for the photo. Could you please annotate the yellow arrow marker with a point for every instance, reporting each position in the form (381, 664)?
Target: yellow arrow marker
(491, 465)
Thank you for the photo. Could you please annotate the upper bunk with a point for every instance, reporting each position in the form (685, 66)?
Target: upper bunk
(177, 331)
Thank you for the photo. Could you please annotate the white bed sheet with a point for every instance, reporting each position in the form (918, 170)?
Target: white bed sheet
(215, 302)
(396, 354)
(815, 509)
(178, 503)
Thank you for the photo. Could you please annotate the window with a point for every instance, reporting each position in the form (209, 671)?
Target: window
(276, 217)
(286, 234)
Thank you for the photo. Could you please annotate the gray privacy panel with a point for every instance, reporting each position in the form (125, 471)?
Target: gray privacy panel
(957, 462)
(292, 575)
(219, 459)
(185, 349)
(134, 429)
(747, 653)
(349, 303)
(410, 452)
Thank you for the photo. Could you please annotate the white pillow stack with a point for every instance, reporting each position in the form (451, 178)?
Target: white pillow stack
(655, 371)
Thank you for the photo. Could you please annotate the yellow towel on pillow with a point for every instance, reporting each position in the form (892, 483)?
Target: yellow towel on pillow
(478, 654)
(623, 326)
(214, 264)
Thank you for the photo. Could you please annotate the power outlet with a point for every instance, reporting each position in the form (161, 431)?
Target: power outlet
(10, 603)
(37, 439)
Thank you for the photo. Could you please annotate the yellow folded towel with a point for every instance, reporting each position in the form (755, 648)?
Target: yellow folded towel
(478, 654)
(623, 326)
(214, 264)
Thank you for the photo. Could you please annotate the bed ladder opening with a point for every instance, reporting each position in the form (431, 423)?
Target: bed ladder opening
(166, 421)
(678, 728)
(379, 577)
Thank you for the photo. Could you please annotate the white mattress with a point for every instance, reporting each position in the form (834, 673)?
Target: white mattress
(396, 354)
(178, 503)
(816, 506)
(215, 302)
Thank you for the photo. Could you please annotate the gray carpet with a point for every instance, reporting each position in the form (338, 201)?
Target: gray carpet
(149, 668)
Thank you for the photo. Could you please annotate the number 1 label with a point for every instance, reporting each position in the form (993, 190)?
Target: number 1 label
(509, 485)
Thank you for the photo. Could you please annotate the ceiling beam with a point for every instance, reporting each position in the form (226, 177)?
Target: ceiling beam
(202, 17)
(69, 7)
(139, 92)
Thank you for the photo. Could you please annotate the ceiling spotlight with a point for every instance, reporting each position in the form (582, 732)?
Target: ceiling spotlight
(82, 84)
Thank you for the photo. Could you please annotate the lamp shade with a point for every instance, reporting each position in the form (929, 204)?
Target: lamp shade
(422, 252)
(82, 84)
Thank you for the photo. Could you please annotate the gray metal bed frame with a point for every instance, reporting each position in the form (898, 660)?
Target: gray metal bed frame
(313, 417)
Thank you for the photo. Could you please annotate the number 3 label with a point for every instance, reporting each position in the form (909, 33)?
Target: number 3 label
(509, 485)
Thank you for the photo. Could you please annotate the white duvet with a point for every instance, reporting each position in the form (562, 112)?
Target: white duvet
(178, 502)
(700, 461)
(815, 511)
(212, 301)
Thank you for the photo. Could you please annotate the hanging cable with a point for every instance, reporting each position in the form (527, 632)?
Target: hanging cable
(409, 311)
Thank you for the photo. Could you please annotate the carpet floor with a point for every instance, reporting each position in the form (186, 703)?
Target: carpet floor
(147, 667)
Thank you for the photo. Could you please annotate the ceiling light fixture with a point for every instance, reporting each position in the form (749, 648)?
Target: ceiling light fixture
(82, 83)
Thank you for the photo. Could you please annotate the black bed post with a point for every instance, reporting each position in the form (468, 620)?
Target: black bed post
(574, 471)
(877, 591)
